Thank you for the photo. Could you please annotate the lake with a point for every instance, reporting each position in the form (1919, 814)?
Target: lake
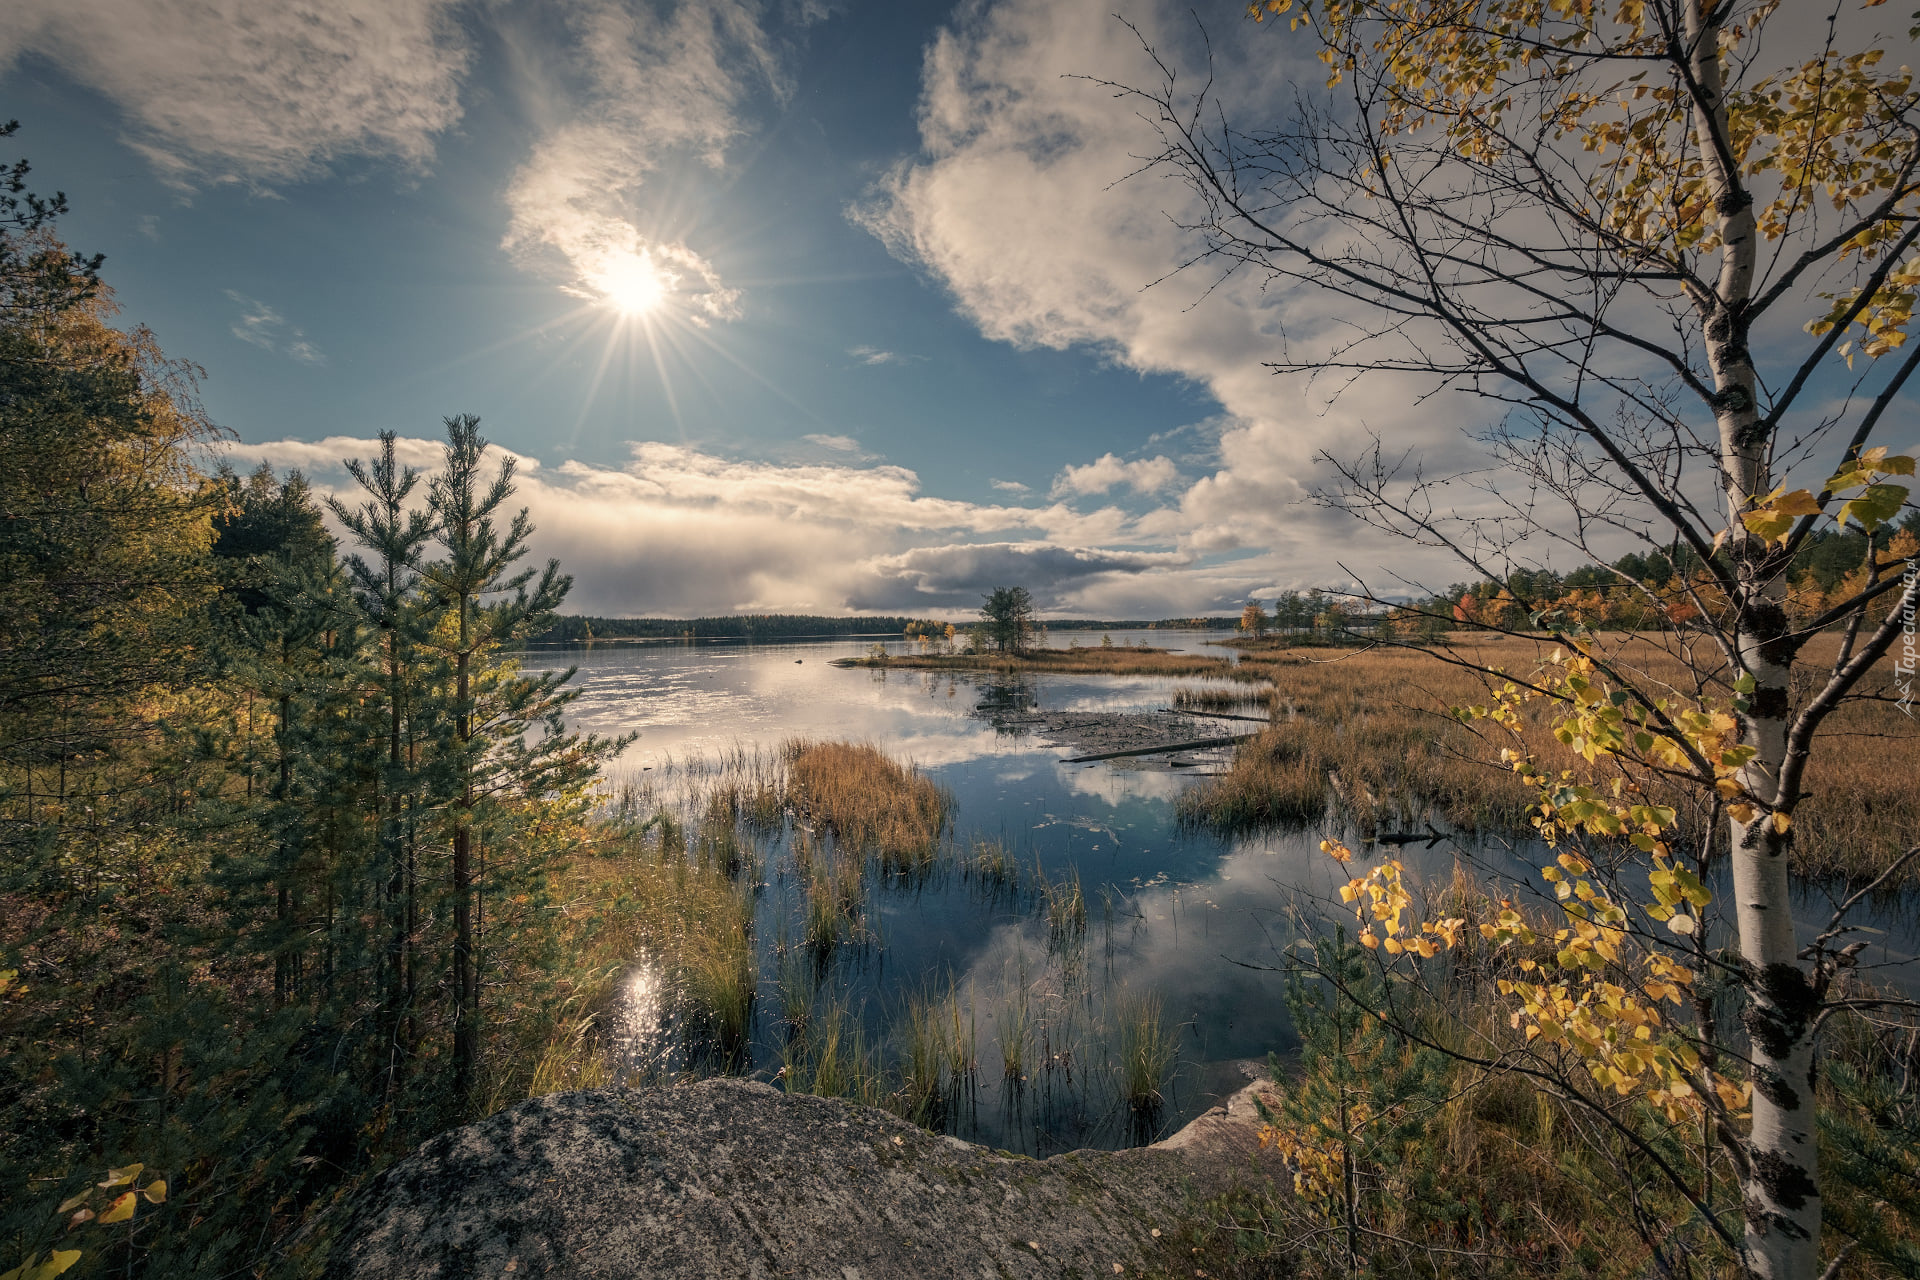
(1192, 921)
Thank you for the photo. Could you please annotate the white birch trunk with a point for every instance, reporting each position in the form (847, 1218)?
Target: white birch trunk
(1781, 1189)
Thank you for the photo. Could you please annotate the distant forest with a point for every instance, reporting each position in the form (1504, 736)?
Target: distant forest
(578, 629)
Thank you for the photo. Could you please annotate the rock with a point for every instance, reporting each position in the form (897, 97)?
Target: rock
(729, 1178)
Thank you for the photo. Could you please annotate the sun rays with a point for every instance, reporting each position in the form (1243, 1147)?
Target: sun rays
(632, 282)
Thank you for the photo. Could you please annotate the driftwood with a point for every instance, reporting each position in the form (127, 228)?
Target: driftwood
(1218, 715)
(1429, 837)
(1165, 746)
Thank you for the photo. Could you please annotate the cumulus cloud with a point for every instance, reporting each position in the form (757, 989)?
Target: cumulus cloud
(1012, 486)
(328, 457)
(958, 575)
(1148, 475)
(1015, 204)
(262, 326)
(680, 532)
(227, 90)
(641, 86)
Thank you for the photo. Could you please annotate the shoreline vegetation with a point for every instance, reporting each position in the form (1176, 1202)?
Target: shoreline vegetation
(668, 945)
(1497, 1173)
(1366, 732)
(1369, 733)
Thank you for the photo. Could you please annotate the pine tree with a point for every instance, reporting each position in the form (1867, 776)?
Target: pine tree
(384, 590)
(1355, 1124)
(484, 610)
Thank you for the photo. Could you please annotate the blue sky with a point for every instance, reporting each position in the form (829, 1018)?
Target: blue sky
(901, 346)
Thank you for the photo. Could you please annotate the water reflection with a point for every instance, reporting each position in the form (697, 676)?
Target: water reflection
(964, 967)
(643, 1034)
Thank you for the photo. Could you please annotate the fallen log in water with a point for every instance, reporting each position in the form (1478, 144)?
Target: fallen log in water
(1218, 715)
(1165, 746)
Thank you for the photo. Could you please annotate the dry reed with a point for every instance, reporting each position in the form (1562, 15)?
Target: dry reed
(867, 801)
(1370, 734)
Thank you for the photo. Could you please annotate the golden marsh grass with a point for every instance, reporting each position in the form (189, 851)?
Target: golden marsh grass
(1369, 733)
(867, 801)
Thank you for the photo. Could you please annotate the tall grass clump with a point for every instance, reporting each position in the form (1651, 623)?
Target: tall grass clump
(1013, 1029)
(1371, 735)
(1241, 697)
(722, 977)
(867, 801)
(923, 1062)
(1106, 660)
(1065, 905)
(1145, 1047)
(640, 891)
(993, 865)
(830, 1058)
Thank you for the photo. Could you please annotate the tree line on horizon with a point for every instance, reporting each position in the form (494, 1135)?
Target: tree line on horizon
(584, 629)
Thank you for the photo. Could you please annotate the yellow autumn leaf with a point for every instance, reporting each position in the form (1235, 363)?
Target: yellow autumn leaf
(33, 1269)
(121, 1177)
(120, 1210)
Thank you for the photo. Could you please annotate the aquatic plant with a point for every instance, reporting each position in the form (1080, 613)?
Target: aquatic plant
(1065, 905)
(1144, 1047)
(867, 801)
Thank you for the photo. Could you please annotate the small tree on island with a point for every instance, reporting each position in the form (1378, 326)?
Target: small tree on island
(1008, 619)
(1253, 620)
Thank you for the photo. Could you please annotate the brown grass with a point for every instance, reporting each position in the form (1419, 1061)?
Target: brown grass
(1117, 661)
(1368, 733)
(679, 900)
(867, 801)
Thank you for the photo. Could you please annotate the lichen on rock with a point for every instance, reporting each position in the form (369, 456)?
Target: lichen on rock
(730, 1178)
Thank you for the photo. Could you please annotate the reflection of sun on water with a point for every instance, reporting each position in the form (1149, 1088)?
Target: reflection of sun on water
(641, 1034)
(632, 283)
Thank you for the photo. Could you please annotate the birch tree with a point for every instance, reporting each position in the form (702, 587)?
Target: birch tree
(1678, 261)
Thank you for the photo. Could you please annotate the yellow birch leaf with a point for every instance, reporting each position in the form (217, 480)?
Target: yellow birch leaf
(122, 1177)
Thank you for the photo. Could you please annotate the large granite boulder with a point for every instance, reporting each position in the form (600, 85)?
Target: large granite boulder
(728, 1178)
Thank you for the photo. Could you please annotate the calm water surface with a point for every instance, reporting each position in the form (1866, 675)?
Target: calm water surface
(1197, 920)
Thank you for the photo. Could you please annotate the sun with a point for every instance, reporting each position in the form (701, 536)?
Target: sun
(631, 283)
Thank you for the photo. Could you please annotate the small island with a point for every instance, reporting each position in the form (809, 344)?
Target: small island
(1002, 642)
(1089, 660)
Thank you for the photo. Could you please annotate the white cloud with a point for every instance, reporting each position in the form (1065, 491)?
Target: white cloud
(235, 90)
(642, 86)
(328, 457)
(264, 327)
(1012, 486)
(1148, 475)
(229, 90)
(874, 355)
(1015, 203)
(839, 444)
(680, 532)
